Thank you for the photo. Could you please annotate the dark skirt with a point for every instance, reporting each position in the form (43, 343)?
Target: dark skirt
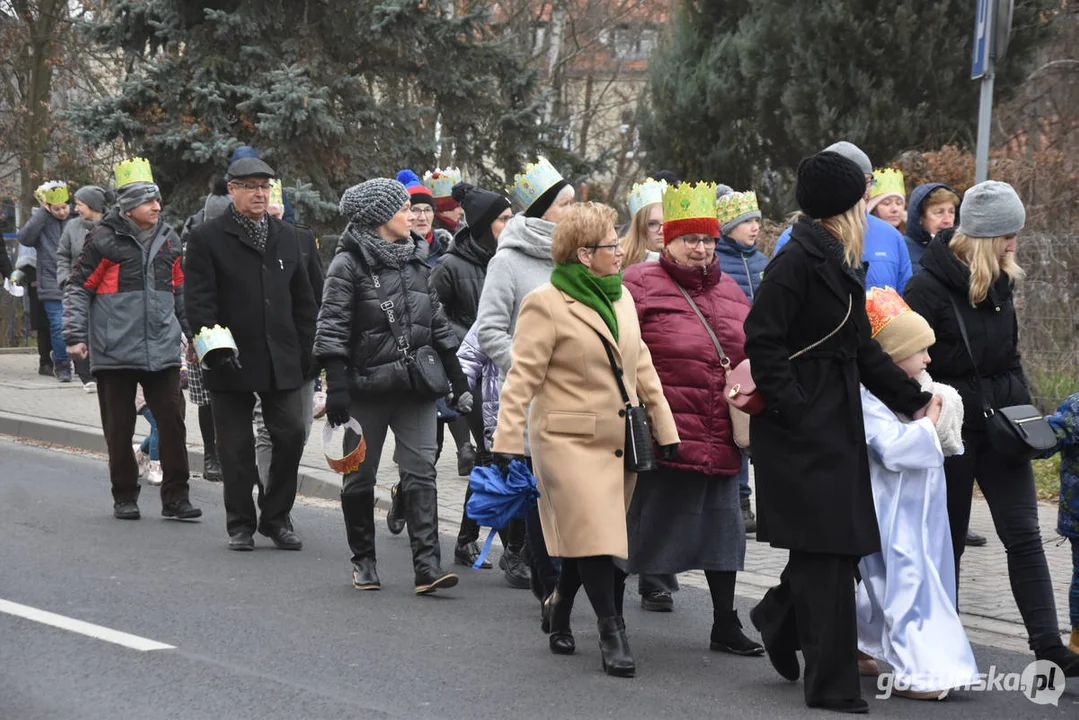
(680, 520)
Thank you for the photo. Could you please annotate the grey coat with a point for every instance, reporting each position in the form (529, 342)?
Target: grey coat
(71, 243)
(42, 232)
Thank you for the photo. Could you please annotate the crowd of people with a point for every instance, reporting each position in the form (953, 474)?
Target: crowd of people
(545, 338)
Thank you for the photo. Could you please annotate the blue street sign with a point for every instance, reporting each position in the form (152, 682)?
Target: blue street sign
(982, 38)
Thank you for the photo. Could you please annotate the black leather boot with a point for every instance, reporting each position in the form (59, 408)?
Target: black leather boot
(359, 512)
(421, 516)
(395, 517)
(614, 645)
(727, 635)
(556, 614)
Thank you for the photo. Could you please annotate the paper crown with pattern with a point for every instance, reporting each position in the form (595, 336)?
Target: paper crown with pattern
(212, 339)
(646, 193)
(441, 182)
(132, 170)
(53, 192)
(277, 193)
(690, 210)
(900, 331)
(352, 461)
(886, 181)
(883, 305)
(736, 204)
(538, 178)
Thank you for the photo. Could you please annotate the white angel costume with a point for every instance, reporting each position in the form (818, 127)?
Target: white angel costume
(906, 601)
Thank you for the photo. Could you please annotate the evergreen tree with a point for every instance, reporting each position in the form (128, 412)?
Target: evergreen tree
(330, 93)
(741, 91)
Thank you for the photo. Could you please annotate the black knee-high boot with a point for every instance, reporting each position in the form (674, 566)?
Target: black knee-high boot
(421, 517)
(359, 512)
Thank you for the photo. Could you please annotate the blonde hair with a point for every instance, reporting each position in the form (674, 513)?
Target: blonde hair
(849, 229)
(982, 255)
(585, 223)
(635, 242)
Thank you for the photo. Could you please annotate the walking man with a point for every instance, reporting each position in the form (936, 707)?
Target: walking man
(125, 301)
(246, 272)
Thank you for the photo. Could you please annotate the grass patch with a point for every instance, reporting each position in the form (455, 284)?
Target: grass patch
(1047, 478)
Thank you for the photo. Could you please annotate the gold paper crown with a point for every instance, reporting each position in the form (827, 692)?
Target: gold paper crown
(687, 202)
(736, 204)
(883, 305)
(277, 194)
(215, 338)
(53, 192)
(646, 193)
(538, 178)
(132, 170)
(441, 182)
(888, 180)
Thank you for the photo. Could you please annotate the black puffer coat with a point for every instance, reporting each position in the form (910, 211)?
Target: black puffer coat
(992, 326)
(458, 279)
(353, 327)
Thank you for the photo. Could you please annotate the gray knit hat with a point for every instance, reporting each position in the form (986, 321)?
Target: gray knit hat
(132, 195)
(853, 153)
(373, 203)
(93, 197)
(991, 209)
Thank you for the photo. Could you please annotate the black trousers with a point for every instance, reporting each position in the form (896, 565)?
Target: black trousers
(39, 321)
(1008, 486)
(812, 609)
(282, 411)
(116, 398)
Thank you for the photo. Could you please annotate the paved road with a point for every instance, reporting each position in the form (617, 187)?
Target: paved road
(275, 634)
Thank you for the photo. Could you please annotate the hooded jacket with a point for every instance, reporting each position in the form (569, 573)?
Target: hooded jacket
(71, 244)
(125, 300)
(992, 327)
(745, 264)
(917, 237)
(42, 232)
(482, 375)
(521, 264)
(458, 279)
(354, 328)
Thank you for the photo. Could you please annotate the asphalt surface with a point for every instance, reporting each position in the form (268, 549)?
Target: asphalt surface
(275, 634)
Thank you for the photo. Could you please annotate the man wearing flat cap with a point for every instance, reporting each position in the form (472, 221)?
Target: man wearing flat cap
(245, 272)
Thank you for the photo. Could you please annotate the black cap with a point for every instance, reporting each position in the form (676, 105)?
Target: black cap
(249, 167)
(828, 185)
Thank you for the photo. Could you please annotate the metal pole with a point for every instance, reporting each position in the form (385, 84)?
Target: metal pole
(985, 117)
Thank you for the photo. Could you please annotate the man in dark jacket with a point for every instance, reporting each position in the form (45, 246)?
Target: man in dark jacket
(125, 300)
(245, 272)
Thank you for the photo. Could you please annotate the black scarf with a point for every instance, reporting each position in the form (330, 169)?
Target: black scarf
(257, 232)
(389, 254)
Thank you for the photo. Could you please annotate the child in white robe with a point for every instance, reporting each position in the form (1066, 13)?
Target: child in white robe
(907, 614)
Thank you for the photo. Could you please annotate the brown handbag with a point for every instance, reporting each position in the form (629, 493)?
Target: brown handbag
(741, 390)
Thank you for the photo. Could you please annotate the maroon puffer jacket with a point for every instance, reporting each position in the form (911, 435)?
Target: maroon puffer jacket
(686, 358)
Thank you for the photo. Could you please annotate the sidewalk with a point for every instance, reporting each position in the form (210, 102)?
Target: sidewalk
(40, 408)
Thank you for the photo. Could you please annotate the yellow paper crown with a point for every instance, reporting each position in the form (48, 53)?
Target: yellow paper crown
(646, 193)
(132, 170)
(537, 179)
(736, 204)
(53, 192)
(441, 182)
(687, 202)
(277, 194)
(888, 180)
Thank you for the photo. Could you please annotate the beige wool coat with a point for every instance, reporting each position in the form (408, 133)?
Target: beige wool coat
(576, 424)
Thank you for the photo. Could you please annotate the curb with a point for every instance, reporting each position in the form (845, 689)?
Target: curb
(17, 350)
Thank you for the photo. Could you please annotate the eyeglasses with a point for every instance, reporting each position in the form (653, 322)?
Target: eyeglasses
(423, 211)
(694, 243)
(654, 226)
(264, 187)
(612, 246)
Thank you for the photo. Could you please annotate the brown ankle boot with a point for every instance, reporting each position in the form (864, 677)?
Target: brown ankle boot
(1073, 644)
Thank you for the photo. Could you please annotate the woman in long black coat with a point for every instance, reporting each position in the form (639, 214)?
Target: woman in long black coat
(812, 470)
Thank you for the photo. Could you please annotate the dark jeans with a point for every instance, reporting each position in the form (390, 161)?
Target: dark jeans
(1008, 486)
(54, 311)
(282, 412)
(1073, 593)
(39, 321)
(744, 490)
(116, 398)
(812, 610)
(151, 443)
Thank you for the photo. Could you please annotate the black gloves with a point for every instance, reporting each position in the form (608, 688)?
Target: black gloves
(668, 452)
(338, 399)
(222, 360)
(502, 461)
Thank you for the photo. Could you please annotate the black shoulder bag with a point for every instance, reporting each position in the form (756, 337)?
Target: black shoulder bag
(425, 369)
(1016, 430)
(639, 455)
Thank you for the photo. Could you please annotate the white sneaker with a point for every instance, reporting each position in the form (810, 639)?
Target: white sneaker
(143, 461)
(89, 387)
(154, 476)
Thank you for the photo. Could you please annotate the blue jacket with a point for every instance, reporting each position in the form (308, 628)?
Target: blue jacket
(885, 252)
(1065, 422)
(745, 264)
(917, 237)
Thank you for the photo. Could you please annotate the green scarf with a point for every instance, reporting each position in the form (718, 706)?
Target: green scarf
(598, 293)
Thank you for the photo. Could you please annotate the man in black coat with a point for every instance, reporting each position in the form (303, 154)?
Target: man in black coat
(245, 271)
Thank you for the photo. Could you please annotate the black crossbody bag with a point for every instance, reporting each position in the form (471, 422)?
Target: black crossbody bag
(425, 369)
(639, 455)
(1016, 430)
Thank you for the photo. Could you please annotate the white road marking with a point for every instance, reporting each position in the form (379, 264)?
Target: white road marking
(83, 628)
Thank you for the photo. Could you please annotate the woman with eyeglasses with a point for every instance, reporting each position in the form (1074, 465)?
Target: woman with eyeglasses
(562, 385)
(644, 239)
(686, 515)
